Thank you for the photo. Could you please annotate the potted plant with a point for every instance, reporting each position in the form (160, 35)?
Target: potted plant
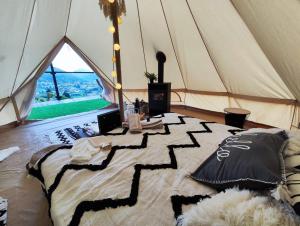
(151, 76)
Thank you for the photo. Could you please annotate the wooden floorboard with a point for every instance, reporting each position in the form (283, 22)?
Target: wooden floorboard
(26, 201)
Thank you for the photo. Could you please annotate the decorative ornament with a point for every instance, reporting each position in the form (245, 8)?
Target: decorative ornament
(114, 74)
(117, 47)
(111, 29)
(118, 86)
(120, 20)
(105, 5)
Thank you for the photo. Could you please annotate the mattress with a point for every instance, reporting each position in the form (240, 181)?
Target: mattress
(143, 180)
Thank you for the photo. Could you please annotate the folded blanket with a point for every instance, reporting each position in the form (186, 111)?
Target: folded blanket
(3, 211)
(152, 124)
(7, 152)
(84, 149)
(134, 123)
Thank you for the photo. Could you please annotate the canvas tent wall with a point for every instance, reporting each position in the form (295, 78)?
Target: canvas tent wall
(220, 53)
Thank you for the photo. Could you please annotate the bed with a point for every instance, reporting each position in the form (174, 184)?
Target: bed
(143, 180)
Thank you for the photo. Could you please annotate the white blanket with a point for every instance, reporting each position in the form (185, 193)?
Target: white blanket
(141, 181)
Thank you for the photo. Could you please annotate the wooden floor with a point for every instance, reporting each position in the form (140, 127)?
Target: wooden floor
(26, 201)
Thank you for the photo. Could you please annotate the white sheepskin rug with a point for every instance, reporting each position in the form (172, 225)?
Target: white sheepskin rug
(238, 208)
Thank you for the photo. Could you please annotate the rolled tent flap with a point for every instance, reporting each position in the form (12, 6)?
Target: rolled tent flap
(231, 53)
(296, 119)
(7, 114)
(25, 98)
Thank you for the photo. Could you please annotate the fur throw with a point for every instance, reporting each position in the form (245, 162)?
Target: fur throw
(234, 208)
(293, 147)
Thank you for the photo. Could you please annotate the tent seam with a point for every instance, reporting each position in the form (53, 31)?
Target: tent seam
(280, 77)
(23, 50)
(206, 47)
(141, 33)
(4, 105)
(248, 28)
(67, 25)
(176, 56)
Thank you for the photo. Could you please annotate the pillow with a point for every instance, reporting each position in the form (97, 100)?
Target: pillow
(251, 161)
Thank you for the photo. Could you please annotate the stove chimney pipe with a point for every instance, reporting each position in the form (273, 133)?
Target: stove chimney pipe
(161, 58)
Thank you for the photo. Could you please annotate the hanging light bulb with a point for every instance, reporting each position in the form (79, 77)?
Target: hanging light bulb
(118, 86)
(114, 74)
(111, 1)
(113, 59)
(120, 21)
(117, 47)
(111, 29)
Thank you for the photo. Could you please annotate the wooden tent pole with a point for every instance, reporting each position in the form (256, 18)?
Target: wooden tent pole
(118, 57)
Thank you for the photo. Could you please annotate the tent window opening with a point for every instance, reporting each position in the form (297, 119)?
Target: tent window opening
(56, 84)
(68, 86)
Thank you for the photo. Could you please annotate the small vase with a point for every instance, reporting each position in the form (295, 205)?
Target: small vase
(151, 80)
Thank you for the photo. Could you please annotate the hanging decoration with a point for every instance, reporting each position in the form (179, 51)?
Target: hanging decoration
(118, 86)
(120, 5)
(106, 7)
(114, 10)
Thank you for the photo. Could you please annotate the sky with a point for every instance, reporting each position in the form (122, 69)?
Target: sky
(68, 60)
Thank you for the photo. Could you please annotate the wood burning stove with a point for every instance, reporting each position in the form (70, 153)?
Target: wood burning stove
(159, 94)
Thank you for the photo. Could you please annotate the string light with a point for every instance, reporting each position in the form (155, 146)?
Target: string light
(114, 74)
(117, 47)
(113, 59)
(111, 1)
(120, 21)
(111, 29)
(118, 86)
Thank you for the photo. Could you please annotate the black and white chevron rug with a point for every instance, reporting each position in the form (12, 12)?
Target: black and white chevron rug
(142, 180)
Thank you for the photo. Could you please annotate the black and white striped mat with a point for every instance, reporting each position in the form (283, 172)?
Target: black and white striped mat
(3, 211)
(71, 133)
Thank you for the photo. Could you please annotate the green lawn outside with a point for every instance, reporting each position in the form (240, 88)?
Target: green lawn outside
(52, 111)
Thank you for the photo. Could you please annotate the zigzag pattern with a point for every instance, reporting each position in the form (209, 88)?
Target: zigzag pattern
(98, 205)
(235, 131)
(62, 137)
(108, 159)
(179, 200)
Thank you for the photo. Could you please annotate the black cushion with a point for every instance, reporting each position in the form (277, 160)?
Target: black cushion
(251, 161)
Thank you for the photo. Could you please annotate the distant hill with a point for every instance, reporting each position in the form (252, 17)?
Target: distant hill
(68, 77)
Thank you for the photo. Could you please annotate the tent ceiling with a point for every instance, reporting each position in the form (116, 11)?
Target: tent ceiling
(242, 47)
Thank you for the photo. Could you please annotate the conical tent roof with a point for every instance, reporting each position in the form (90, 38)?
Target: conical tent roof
(229, 53)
